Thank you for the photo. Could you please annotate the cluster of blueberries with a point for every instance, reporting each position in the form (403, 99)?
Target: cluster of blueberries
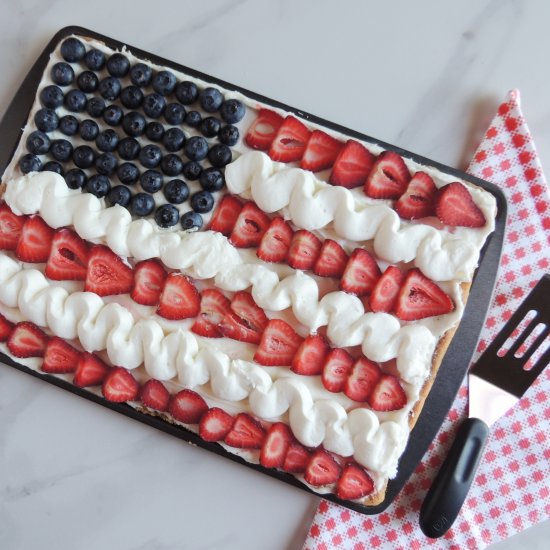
(155, 165)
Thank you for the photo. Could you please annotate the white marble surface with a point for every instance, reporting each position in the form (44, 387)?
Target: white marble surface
(424, 75)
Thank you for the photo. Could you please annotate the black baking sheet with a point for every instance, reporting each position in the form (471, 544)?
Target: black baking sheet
(458, 356)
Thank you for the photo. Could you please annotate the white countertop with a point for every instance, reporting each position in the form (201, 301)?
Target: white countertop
(424, 75)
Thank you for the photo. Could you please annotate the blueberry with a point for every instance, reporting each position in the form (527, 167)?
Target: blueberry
(88, 129)
(107, 141)
(153, 105)
(150, 156)
(62, 74)
(142, 204)
(128, 173)
(95, 60)
(210, 99)
(191, 221)
(220, 155)
(29, 163)
(212, 180)
(164, 82)
(87, 81)
(75, 101)
(53, 166)
(210, 126)
(187, 92)
(120, 195)
(167, 215)
(173, 139)
(106, 164)
(118, 65)
(98, 185)
(191, 170)
(51, 97)
(72, 49)
(133, 123)
(193, 119)
(68, 125)
(171, 165)
(131, 97)
(196, 148)
(140, 74)
(61, 149)
(38, 143)
(83, 156)
(109, 88)
(75, 178)
(113, 115)
(95, 106)
(202, 202)
(176, 191)
(232, 111)
(46, 120)
(154, 131)
(128, 148)
(151, 181)
(229, 135)
(174, 114)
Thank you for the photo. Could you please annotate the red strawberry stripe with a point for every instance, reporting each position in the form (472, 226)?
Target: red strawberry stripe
(332, 260)
(215, 424)
(107, 274)
(454, 206)
(120, 386)
(11, 226)
(187, 406)
(214, 306)
(362, 380)
(361, 273)
(246, 433)
(304, 250)
(226, 215)
(384, 294)
(27, 340)
(354, 483)
(418, 201)
(60, 357)
(68, 260)
(275, 243)
(321, 152)
(290, 142)
(35, 240)
(6, 328)
(310, 357)
(389, 177)
(296, 459)
(149, 279)
(322, 469)
(250, 226)
(263, 130)
(352, 165)
(278, 345)
(153, 394)
(179, 298)
(275, 446)
(90, 370)
(336, 369)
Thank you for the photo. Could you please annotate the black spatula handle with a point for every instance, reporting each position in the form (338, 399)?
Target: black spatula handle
(452, 483)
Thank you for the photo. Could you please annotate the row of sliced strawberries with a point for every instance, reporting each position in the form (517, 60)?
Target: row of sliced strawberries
(353, 165)
(278, 447)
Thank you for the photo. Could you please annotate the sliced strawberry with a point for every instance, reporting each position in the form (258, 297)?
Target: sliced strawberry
(352, 165)
(454, 206)
(354, 483)
(384, 294)
(337, 367)
(107, 274)
(250, 226)
(225, 216)
(215, 424)
(290, 142)
(149, 279)
(187, 406)
(232, 326)
(296, 459)
(304, 250)
(322, 469)
(60, 357)
(246, 433)
(278, 345)
(419, 297)
(6, 328)
(27, 340)
(388, 178)
(361, 273)
(214, 307)
(90, 371)
(120, 386)
(263, 130)
(364, 376)
(68, 260)
(35, 241)
(246, 308)
(179, 298)
(310, 357)
(387, 395)
(153, 394)
(321, 152)
(418, 201)
(275, 446)
(10, 228)
(275, 243)
(332, 260)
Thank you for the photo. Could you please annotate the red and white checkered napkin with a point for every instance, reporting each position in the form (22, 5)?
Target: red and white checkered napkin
(512, 488)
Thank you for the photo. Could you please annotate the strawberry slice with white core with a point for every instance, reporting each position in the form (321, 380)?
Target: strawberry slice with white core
(352, 165)
(68, 260)
(418, 201)
(107, 274)
(246, 308)
(11, 226)
(384, 294)
(454, 206)
(354, 483)
(336, 369)
(179, 298)
(232, 326)
(332, 260)
(310, 357)
(361, 273)
(263, 130)
(60, 357)
(120, 386)
(321, 152)
(90, 370)
(278, 345)
(362, 380)
(290, 142)
(275, 243)
(419, 297)
(296, 459)
(35, 242)
(153, 394)
(387, 395)
(27, 340)
(215, 424)
(225, 216)
(322, 469)
(388, 178)
(149, 279)
(6, 328)
(187, 406)
(275, 446)
(304, 250)
(250, 227)
(214, 307)
(246, 433)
